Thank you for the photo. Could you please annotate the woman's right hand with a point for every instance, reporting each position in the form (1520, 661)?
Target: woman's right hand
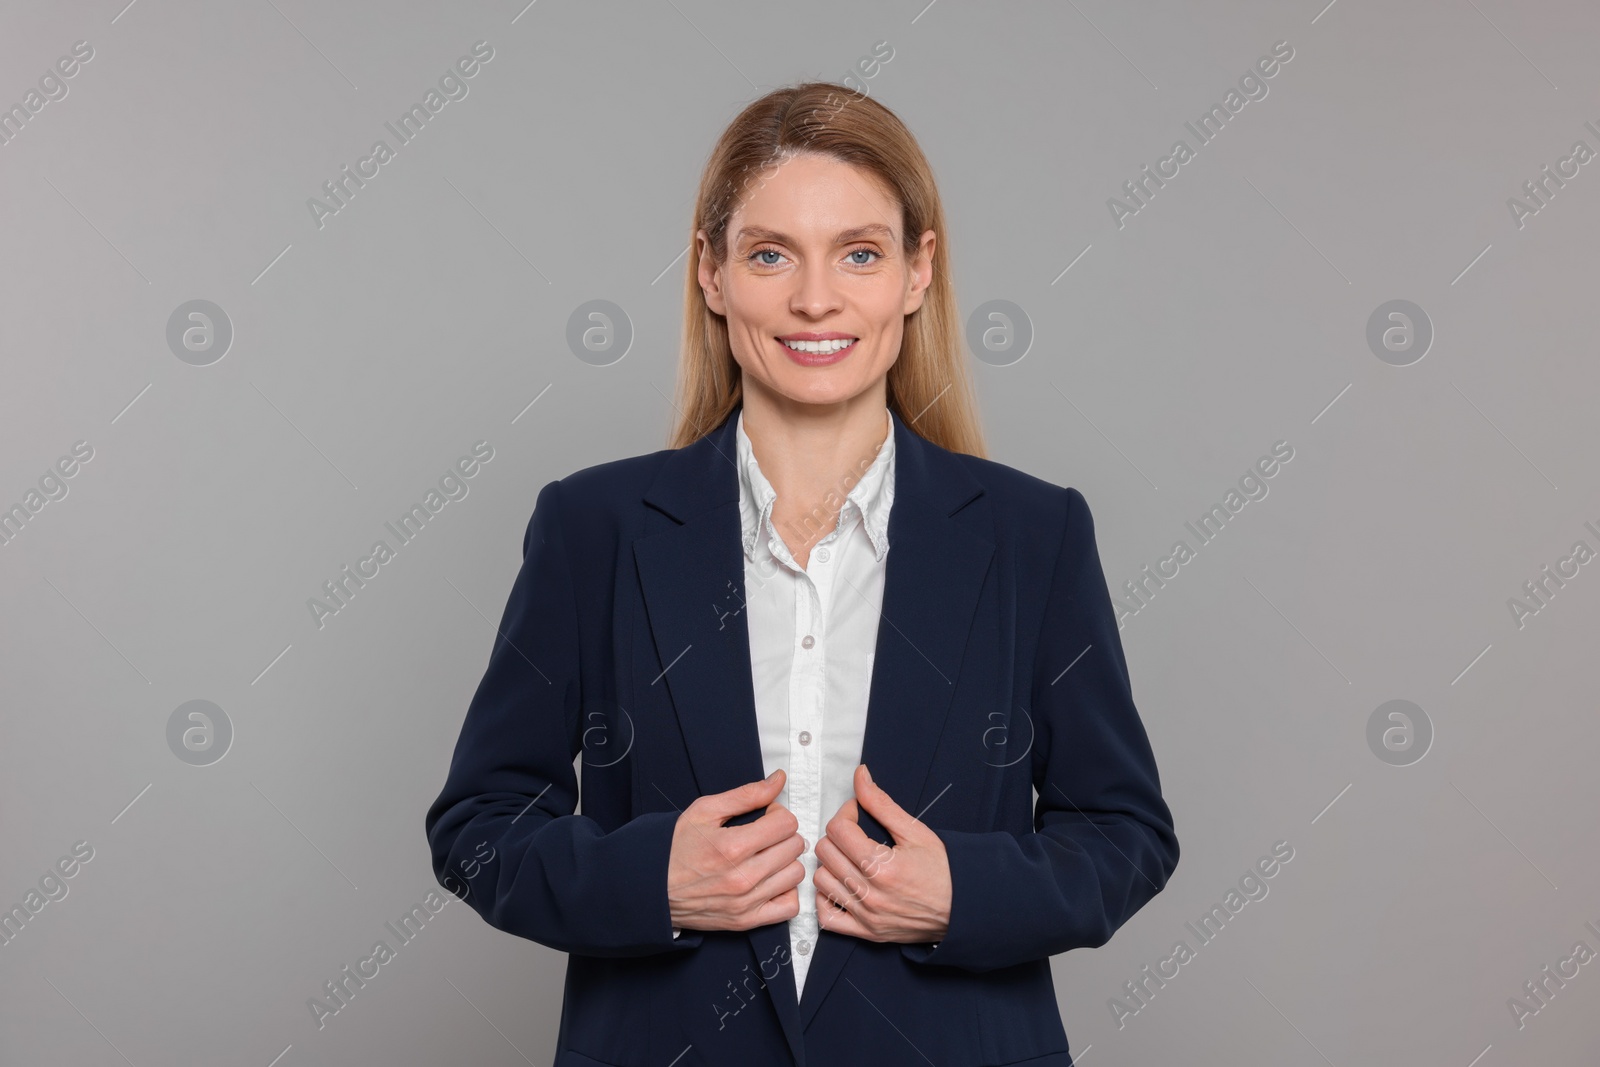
(736, 877)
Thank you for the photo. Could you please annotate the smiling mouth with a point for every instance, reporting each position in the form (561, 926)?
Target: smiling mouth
(819, 348)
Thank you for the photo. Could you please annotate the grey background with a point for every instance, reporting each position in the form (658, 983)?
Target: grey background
(431, 313)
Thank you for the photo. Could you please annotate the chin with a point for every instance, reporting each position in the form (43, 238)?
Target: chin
(828, 394)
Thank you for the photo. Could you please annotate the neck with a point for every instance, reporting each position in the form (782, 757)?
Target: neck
(813, 455)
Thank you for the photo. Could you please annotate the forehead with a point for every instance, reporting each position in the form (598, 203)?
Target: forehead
(811, 195)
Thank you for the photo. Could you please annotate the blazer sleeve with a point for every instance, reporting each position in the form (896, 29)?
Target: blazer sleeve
(1103, 842)
(502, 832)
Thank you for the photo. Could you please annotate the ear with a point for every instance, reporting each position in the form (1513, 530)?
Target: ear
(709, 273)
(921, 271)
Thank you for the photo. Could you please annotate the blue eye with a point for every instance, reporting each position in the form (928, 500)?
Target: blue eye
(774, 252)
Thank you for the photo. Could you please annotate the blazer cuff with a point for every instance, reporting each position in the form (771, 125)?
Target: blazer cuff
(617, 906)
(984, 929)
(652, 906)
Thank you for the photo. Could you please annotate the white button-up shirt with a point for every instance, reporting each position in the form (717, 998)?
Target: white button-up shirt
(813, 635)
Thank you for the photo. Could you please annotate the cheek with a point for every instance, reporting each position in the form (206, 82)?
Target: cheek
(891, 333)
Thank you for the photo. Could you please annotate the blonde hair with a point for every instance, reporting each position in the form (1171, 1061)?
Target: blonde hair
(929, 386)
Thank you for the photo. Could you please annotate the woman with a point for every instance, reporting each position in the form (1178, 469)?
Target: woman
(816, 657)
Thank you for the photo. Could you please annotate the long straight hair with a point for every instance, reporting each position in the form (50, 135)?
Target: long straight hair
(929, 386)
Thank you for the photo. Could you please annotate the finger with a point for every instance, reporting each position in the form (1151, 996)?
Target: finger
(856, 915)
(717, 808)
(748, 873)
(780, 908)
(785, 878)
(846, 835)
(776, 827)
(842, 922)
(900, 823)
(853, 868)
(848, 889)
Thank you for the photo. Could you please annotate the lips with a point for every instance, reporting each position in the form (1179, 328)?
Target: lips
(825, 353)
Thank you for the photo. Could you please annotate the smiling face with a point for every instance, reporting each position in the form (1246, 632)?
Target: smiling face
(816, 287)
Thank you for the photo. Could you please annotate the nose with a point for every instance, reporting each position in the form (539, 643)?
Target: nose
(817, 292)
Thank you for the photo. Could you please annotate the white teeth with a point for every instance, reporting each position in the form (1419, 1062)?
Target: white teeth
(818, 348)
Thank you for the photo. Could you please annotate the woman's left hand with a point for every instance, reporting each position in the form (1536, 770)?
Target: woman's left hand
(899, 894)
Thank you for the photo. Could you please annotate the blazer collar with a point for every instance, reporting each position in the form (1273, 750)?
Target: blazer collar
(871, 496)
(691, 562)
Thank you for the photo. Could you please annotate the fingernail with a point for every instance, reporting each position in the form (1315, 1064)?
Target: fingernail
(869, 772)
(773, 777)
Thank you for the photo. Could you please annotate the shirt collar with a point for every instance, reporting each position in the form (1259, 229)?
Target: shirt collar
(871, 497)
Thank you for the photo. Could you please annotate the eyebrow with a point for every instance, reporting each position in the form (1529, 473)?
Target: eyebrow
(855, 233)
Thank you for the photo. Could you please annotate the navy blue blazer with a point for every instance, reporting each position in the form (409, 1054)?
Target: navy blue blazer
(999, 671)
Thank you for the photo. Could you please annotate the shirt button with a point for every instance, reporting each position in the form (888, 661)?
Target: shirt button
(804, 948)
(805, 737)
(807, 641)
(822, 554)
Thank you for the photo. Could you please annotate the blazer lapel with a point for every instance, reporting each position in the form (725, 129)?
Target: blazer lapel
(936, 568)
(692, 574)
